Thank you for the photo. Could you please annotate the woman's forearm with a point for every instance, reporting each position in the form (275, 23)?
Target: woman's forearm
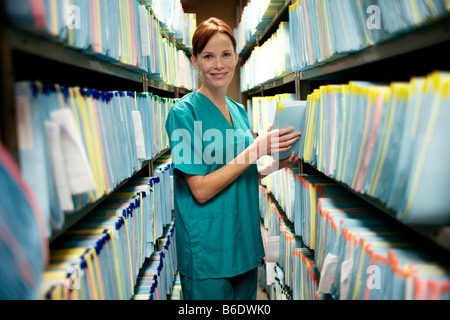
(207, 187)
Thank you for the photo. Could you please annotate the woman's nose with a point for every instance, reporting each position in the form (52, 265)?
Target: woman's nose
(218, 63)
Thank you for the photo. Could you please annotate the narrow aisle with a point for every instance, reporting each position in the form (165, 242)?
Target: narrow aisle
(262, 294)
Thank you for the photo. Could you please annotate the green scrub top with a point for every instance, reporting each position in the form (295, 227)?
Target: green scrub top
(222, 237)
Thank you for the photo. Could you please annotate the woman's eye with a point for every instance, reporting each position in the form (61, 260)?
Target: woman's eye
(207, 57)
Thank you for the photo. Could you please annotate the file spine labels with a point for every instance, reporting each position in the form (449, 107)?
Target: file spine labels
(290, 270)
(174, 21)
(386, 142)
(323, 30)
(123, 249)
(262, 110)
(23, 242)
(255, 17)
(78, 145)
(277, 50)
(334, 245)
(120, 32)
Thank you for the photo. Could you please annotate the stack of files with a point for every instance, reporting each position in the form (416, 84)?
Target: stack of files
(270, 212)
(397, 17)
(120, 32)
(151, 279)
(262, 276)
(255, 17)
(23, 235)
(281, 184)
(374, 257)
(77, 145)
(368, 136)
(262, 110)
(330, 211)
(177, 292)
(288, 242)
(271, 246)
(277, 48)
(167, 63)
(324, 30)
(157, 275)
(161, 170)
(184, 37)
(309, 189)
(101, 255)
(152, 189)
(305, 275)
(278, 290)
(109, 30)
(174, 21)
(166, 244)
(291, 114)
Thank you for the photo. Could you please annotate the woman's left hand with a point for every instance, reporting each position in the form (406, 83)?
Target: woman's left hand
(273, 165)
(291, 161)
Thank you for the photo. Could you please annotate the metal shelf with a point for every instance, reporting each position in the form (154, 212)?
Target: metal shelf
(271, 84)
(424, 37)
(268, 30)
(73, 217)
(438, 234)
(165, 87)
(44, 48)
(437, 33)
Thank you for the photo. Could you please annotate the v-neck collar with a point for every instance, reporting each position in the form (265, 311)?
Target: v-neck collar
(216, 111)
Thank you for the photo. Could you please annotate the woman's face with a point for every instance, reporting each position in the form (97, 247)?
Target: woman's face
(217, 61)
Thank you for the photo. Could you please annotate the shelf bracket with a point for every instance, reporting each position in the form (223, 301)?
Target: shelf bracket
(302, 87)
(145, 83)
(8, 130)
(297, 85)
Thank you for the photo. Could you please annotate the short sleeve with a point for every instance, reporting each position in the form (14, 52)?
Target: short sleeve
(185, 142)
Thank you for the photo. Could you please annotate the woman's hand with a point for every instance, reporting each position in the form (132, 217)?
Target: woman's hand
(291, 161)
(276, 141)
(273, 165)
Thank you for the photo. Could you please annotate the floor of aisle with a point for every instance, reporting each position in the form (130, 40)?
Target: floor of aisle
(261, 294)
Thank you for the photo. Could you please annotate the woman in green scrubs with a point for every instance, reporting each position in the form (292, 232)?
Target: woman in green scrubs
(218, 235)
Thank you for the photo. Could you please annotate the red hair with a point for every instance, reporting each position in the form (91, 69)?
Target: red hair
(206, 30)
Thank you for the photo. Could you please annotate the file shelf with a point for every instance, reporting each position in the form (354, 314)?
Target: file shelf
(26, 56)
(36, 46)
(435, 34)
(413, 54)
(41, 47)
(274, 84)
(387, 61)
(73, 218)
(280, 15)
(439, 235)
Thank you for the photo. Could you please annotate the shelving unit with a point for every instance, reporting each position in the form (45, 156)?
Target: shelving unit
(31, 54)
(282, 14)
(27, 56)
(412, 54)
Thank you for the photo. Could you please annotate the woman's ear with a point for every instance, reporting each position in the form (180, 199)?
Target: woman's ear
(194, 62)
(236, 57)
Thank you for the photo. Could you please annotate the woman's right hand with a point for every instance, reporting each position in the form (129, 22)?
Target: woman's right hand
(270, 141)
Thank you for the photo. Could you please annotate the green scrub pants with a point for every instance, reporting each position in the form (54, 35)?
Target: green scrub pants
(240, 287)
